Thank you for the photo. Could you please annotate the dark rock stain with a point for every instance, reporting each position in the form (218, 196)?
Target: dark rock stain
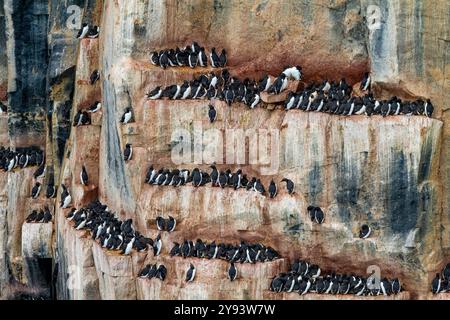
(401, 195)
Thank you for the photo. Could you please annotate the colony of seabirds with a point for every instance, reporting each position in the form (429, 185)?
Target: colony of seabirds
(441, 282)
(304, 278)
(41, 216)
(198, 178)
(20, 158)
(330, 97)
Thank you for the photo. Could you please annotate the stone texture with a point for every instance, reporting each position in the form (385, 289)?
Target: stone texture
(37, 240)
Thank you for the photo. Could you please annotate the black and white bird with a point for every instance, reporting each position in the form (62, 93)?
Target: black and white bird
(160, 223)
(202, 58)
(265, 83)
(36, 190)
(82, 33)
(157, 245)
(66, 199)
(161, 273)
(436, 284)
(40, 171)
(93, 32)
(96, 106)
(94, 77)
(212, 114)
(51, 191)
(145, 272)
(232, 272)
(428, 108)
(319, 216)
(32, 216)
(126, 117)
(294, 73)
(214, 58)
(273, 190)
(84, 178)
(154, 94)
(365, 231)
(289, 185)
(190, 274)
(128, 152)
(365, 83)
(171, 224)
(279, 84)
(47, 215)
(223, 58)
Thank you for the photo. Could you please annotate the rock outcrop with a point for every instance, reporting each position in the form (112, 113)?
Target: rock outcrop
(391, 173)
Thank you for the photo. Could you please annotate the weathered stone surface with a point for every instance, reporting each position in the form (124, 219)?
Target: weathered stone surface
(37, 240)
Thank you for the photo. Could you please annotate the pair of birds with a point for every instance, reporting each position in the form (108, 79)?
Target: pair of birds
(441, 282)
(153, 271)
(281, 82)
(304, 278)
(316, 214)
(20, 158)
(87, 31)
(50, 192)
(273, 188)
(191, 56)
(232, 273)
(168, 224)
(243, 253)
(42, 216)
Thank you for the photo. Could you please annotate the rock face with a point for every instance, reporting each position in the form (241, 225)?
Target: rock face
(392, 173)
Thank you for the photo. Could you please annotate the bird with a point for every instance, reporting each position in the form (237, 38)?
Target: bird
(31, 217)
(202, 58)
(436, 284)
(365, 83)
(190, 274)
(279, 84)
(94, 77)
(215, 60)
(265, 83)
(36, 190)
(212, 114)
(144, 272)
(428, 108)
(128, 152)
(318, 215)
(93, 32)
(51, 191)
(47, 215)
(171, 224)
(83, 31)
(161, 272)
(160, 223)
(126, 117)
(154, 94)
(232, 272)
(273, 190)
(40, 171)
(157, 245)
(84, 178)
(365, 231)
(66, 199)
(289, 185)
(294, 73)
(95, 107)
(223, 58)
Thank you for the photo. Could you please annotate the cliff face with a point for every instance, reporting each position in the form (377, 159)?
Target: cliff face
(391, 173)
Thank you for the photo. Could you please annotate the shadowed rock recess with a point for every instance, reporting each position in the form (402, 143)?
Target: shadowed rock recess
(391, 173)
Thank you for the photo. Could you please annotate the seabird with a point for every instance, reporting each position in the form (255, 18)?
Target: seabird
(157, 245)
(232, 272)
(36, 190)
(289, 185)
(190, 274)
(155, 93)
(84, 178)
(66, 199)
(126, 117)
(93, 32)
(94, 77)
(95, 107)
(83, 31)
(365, 231)
(171, 224)
(212, 113)
(273, 190)
(128, 152)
